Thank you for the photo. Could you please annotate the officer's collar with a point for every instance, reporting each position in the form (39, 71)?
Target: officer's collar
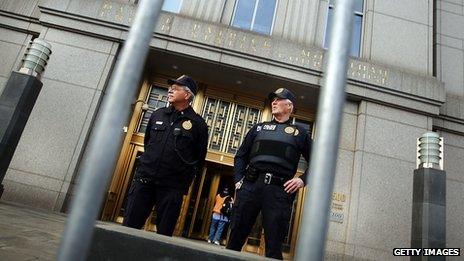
(289, 121)
(172, 110)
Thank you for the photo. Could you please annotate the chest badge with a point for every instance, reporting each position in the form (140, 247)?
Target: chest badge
(289, 130)
(187, 125)
(296, 132)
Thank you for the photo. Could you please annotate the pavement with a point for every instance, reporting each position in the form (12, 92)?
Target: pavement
(27, 233)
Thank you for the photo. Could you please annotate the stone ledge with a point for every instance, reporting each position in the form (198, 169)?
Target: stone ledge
(115, 242)
(264, 54)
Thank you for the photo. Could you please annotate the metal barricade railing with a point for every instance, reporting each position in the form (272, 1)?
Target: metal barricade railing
(107, 134)
(313, 231)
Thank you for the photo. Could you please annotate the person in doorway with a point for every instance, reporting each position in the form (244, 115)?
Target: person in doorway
(221, 214)
(264, 170)
(175, 149)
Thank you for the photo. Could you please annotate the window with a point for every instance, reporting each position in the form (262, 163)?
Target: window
(172, 6)
(357, 27)
(158, 98)
(255, 15)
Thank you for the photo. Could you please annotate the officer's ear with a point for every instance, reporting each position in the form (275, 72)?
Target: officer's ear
(290, 105)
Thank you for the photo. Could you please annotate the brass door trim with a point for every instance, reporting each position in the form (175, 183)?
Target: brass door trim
(138, 139)
(123, 160)
(197, 201)
(210, 204)
(183, 212)
(127, 178)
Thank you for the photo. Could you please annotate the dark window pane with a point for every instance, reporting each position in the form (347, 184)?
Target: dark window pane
(244, 14)
(356, 40)
(264, 16)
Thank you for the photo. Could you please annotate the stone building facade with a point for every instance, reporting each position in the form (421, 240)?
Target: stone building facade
(405, 77)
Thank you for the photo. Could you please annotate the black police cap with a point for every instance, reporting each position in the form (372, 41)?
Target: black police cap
(282, 93)
(186, 81)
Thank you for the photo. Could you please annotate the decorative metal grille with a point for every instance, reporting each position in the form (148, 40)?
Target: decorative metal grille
(158, 98)
(243, 119)
(228, 123)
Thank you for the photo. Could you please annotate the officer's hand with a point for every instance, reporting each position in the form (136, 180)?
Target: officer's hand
(293, 185)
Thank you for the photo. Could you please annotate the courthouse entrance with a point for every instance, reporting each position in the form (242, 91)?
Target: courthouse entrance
(229, 111)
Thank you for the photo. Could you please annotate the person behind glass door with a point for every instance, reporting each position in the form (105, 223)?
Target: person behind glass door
(175, 148)
(264, 170)
(219, 219)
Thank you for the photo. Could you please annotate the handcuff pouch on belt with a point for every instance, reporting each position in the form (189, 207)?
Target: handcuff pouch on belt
(251, 174)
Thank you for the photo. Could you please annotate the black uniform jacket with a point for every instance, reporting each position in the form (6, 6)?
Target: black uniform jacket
(242, 158)
(175, 147)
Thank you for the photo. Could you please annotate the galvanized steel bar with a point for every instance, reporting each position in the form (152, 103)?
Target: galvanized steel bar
(313, 231)
(106, 138)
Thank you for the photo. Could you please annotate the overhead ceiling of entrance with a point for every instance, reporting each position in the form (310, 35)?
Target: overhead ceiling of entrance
(235, 78)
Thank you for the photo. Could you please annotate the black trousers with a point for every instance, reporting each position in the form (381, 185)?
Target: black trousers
(140, 202)
(275, 205)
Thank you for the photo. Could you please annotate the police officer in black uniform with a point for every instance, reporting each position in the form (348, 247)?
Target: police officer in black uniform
(175, 149)
(264, 169)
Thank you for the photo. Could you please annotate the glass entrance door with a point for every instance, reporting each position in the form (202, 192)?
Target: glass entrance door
(202, 199)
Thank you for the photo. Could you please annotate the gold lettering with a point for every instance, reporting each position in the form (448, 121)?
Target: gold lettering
(242, 42)
(131, 15)
(106, 8)
(219, 38)
(368, 72)
(209, 31)
(318, 58)
(232, 36)
(196, 27)
(305, 53)
(119, 17)
(267, 44)
(253, 44)
(166, 24)
(338, 197)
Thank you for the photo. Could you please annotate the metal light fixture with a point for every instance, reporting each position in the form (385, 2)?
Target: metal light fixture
(36, 58)
(430, 151)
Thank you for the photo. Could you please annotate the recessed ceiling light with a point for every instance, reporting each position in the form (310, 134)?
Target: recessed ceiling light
(239, 82)
(175, 67)
(302, 97)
